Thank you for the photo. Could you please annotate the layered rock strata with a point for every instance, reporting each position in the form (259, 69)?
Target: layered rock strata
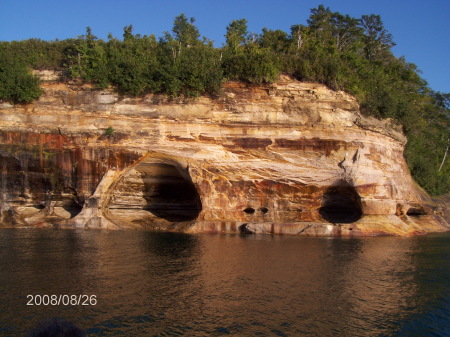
(285, 158)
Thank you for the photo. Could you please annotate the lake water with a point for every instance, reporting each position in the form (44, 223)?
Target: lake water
(165, 284)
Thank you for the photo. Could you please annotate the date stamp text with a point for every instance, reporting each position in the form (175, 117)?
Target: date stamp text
(66, 300)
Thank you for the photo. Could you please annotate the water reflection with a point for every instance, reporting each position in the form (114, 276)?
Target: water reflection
(321, 285)
(166, 284)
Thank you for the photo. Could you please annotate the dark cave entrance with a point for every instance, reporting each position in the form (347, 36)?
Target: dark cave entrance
(341, 203)
(415, 211)
(168, 194)
(73, 208)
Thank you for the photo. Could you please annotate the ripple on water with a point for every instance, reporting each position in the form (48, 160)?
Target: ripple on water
(165, 284)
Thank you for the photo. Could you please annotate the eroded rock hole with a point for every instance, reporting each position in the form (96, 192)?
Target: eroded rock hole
(264, 210)
(412, 211)
(243, 229)
(73, 209)
(341, 204)
(249, 210)
(168, 194)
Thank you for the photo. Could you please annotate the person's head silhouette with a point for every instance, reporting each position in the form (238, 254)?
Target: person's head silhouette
(57, 327)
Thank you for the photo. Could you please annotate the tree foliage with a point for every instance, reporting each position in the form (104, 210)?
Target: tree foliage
(185, 32)
(340, 51)
(245, 57)
(17, 84)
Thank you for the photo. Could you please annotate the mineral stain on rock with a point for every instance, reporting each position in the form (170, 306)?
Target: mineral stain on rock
(285, 163)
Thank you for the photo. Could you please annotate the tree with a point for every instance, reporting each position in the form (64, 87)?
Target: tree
(236, 34)
(276, 40)
(86, 59)
(297, 36)
(128, 33)
(17, 84)
(186, 33)
(251, 60)
(133, 63)
(377, 39)
(346, 31)
(320, 19)
(334, 28)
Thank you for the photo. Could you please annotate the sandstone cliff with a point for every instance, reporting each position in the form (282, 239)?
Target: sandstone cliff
(287, 158)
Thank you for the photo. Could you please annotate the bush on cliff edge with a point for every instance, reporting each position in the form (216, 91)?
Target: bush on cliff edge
(17, 83)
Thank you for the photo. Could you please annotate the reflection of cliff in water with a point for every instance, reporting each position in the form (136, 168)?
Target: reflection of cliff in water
(172, 246)
(151, 283)
(329, 286)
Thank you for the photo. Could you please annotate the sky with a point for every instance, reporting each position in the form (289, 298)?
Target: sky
(421, 29)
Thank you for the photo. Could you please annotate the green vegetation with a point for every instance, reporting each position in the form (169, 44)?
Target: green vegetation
(17, 84)
(109, 131)
(342, 52)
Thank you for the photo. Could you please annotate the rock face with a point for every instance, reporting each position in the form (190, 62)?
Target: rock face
(285, 158)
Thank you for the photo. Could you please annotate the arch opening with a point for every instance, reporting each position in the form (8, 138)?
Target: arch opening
(168, 194)
(155, 191)
(341, 203)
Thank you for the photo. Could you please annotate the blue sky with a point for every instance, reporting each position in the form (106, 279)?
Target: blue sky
(421, 29)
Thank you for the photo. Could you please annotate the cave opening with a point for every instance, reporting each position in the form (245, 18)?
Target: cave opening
(168, 194)
(341, 203)
(264, 210)
(413, 211)
(73, 209)
(249, 210)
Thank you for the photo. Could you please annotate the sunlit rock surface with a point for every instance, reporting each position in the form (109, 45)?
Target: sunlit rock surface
(286, 158)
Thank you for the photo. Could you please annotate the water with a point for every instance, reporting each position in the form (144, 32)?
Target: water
(165, 284)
